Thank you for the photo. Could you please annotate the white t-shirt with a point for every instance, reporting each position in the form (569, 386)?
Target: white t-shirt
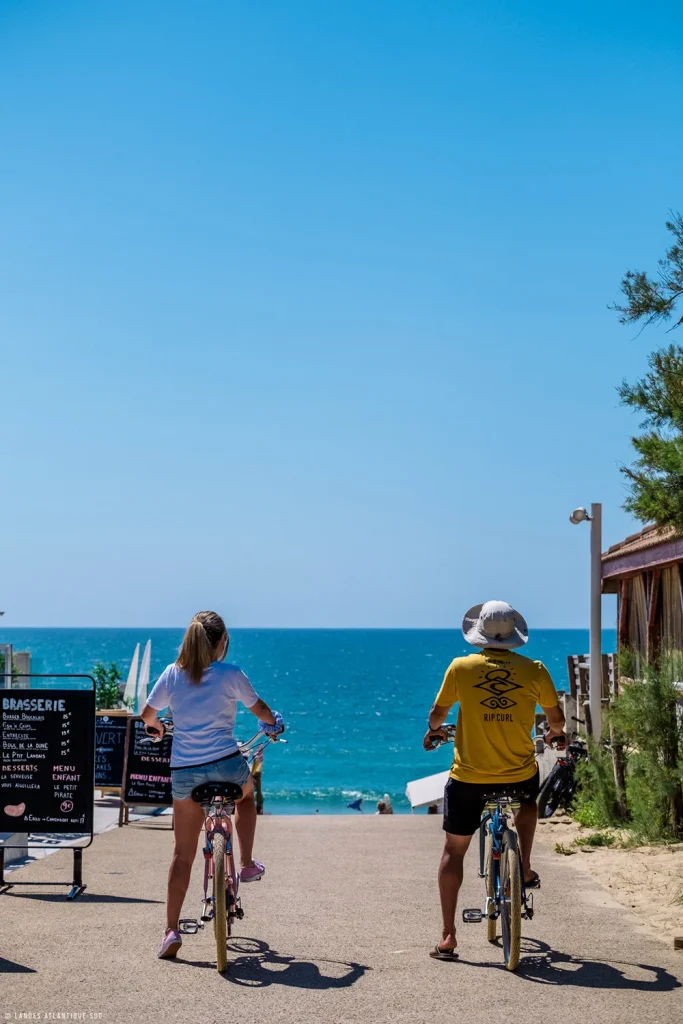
(203, 713)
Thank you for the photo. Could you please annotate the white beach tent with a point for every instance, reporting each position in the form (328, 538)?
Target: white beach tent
(131, 682)
(143, 678)
(422, 792)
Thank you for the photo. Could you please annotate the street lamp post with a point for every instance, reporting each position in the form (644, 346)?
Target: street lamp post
(580, 515)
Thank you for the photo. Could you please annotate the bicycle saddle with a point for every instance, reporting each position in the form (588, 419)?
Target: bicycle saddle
(504, 795)
(208, 791)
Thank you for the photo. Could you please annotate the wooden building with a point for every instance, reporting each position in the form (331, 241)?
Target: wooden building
(644, 571)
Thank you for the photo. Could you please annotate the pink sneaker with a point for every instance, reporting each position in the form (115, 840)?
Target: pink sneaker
(252, 874)
(170, 945)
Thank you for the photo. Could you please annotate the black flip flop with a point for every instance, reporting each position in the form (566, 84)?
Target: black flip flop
(535, 882)
(443, 954)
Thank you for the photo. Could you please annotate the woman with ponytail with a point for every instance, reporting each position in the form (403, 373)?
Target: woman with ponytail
(202, 693)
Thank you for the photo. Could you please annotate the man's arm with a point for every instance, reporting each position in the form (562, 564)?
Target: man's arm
(555, 718)
(437, 716)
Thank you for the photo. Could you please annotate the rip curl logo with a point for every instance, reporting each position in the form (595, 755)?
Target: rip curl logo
(498, 683)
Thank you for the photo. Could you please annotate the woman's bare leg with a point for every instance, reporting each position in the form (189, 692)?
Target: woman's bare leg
(188, 821)
(245, 823)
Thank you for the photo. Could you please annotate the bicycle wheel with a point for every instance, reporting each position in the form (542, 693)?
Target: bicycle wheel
(552, 792)
(511, 886)
(219, 915)
(490, 889)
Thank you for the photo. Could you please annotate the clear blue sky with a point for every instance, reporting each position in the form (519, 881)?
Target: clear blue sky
(303, 305)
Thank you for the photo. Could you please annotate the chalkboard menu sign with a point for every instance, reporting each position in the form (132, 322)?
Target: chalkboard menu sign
(110, 745)
(47, 742)
(147, 767)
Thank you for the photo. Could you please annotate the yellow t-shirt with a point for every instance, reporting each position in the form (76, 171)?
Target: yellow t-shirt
(498, 693)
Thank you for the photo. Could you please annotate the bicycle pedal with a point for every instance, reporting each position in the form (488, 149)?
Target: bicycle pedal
(207, 917)
(472, 916)
(189, 925)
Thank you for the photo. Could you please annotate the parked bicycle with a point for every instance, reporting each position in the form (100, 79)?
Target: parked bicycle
(506, 896)
(222, 903)
(560, 786)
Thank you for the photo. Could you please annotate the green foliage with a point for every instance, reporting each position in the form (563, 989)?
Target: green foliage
(584, 810)
(647, 721)
(656, 476)
(596, 803)
(596, 839)
(107, 690)
(565, 850)
(15, 670)
(653, 300)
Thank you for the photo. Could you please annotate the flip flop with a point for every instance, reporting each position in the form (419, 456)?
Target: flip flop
(443, 954)
(535, 882)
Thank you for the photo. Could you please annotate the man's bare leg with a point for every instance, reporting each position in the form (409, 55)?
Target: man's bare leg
(450, 880)
(525, 822)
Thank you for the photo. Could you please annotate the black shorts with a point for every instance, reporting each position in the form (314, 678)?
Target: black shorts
(464, 802)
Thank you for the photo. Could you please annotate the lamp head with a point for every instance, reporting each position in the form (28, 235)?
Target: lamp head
(579, 515)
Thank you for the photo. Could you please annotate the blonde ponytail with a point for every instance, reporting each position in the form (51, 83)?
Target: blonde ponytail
(200, 644)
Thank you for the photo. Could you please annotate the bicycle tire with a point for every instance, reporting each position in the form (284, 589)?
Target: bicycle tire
(511, 888)
(220, 927)
(491, 922)
(552, 792)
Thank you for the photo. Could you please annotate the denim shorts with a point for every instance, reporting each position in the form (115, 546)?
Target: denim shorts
(228, 769)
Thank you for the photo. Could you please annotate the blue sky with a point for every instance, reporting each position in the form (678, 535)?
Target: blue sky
(303, 306)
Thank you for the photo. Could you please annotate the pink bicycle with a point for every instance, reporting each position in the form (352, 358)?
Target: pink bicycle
(222, 902)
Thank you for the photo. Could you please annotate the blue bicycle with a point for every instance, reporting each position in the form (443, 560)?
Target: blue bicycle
(507, 898)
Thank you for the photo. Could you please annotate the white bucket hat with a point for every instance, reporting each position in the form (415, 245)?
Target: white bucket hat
(495, 624)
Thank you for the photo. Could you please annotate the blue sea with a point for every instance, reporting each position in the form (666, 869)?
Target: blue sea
(355, 701)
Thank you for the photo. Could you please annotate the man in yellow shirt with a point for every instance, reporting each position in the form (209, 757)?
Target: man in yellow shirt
(498, 692)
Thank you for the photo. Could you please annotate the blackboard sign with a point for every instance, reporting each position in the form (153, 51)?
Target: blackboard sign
(47, 746)
(110, 745)
(147, 767)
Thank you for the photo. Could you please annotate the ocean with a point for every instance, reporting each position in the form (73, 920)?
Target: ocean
(355, 701)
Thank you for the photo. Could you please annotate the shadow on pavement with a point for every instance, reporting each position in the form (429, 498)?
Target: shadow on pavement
(84, 898)
(547, 966)
(10, 967)
(253, 964)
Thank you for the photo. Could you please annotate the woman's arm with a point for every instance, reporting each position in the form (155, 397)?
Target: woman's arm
(149, 717)
(261, 710)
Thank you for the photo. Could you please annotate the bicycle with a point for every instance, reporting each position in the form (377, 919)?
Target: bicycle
(560, 786)
(507, 897)
(224, 906)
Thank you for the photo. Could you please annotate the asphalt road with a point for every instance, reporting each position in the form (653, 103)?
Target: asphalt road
(338, 931)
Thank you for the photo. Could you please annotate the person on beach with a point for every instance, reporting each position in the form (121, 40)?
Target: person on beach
(498, 691)
(202, 693)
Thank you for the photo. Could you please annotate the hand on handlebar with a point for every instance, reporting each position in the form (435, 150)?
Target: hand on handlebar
(434, 738)
(273, 730)
(156, 731)
(556, 738)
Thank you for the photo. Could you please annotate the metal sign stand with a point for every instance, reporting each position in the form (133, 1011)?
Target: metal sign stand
(77, 884)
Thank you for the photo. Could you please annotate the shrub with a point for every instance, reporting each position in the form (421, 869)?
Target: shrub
(646, 720)
(596, 803)
(107, 689)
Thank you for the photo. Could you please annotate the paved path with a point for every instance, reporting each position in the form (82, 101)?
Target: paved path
(339, 933)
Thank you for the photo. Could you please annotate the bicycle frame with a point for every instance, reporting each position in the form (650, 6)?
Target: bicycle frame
(218, 818)
(495, 821)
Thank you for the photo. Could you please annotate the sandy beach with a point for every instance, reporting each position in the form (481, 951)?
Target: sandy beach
(338, 931)
(646, 879)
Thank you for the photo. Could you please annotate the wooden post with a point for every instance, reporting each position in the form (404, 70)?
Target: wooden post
(653, 631)
(622, 629)
(618, 762)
